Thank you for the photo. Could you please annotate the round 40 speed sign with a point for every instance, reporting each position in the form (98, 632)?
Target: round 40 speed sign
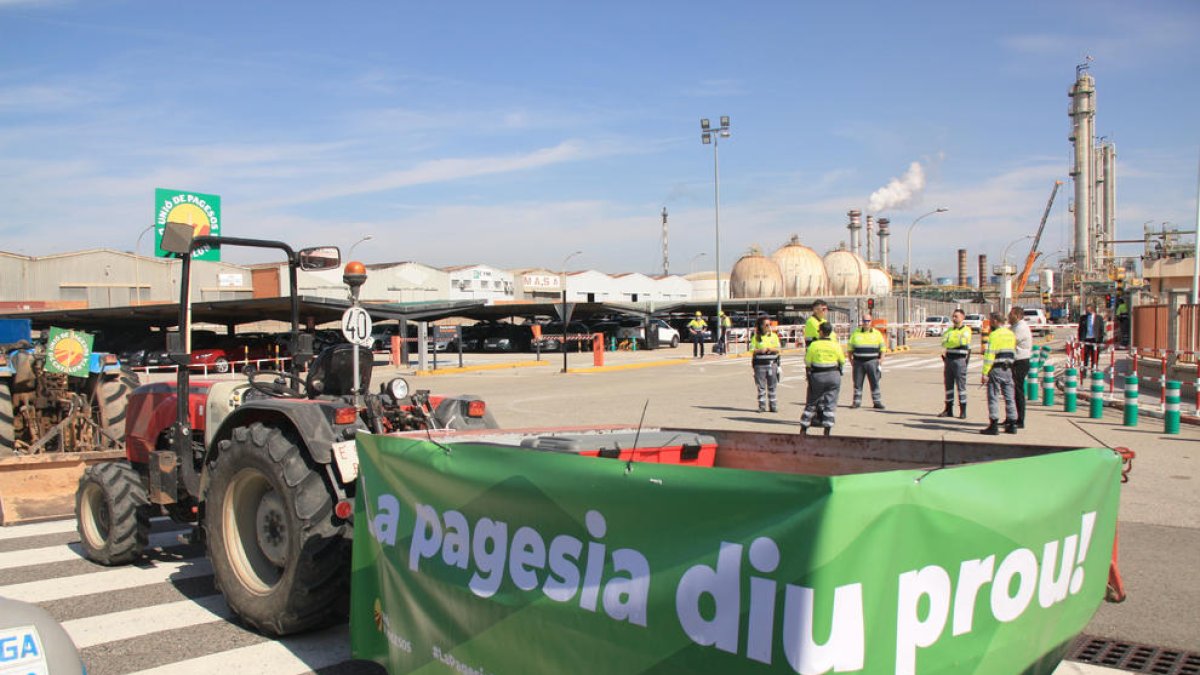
(356, 326)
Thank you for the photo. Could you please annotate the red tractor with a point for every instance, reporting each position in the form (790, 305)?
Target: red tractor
(263, 467)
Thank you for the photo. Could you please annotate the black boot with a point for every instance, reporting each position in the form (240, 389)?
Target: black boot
(962, 411)
(993, 429)
(1010, 427)
(803, 429)
(948, 411)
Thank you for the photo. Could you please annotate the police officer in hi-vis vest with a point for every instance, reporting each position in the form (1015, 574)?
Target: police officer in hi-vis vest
(764, 346)
(824, 361)
(997, 375)
(866, 357)
(957, 343)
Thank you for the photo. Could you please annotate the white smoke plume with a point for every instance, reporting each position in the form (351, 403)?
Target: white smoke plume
(899, 192)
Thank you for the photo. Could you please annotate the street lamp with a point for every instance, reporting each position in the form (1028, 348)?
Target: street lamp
(692, 264)
(908, 264)
(713, 136)
(137, 267)
(562, 276)
(350, 253)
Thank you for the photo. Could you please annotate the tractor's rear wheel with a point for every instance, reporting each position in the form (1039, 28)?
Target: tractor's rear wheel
(7, 432)
(110, 403)
(279, 557)
(111, 513)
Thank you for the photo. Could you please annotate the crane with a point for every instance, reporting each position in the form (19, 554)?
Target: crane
(1033, 252)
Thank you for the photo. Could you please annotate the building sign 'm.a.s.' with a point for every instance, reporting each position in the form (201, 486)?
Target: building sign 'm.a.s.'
(201, 211)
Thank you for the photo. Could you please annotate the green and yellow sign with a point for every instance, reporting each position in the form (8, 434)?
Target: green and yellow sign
(201, 211)
(68, 352)
(488, 559)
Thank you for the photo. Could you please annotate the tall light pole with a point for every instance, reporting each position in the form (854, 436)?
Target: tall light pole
(908, 263)
(350, 252)
(137, 267)
(692, 263)
(713, 136)
(562, 276)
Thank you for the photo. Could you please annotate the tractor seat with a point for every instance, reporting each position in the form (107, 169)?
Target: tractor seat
(332, 373)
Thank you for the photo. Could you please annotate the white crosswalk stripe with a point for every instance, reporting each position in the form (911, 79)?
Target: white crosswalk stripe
(105, 636)
(71, 551)
(117, 579)
(95, 630)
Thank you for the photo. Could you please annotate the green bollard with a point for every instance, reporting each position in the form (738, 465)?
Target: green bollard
(1097, 406)
(1171, 414)
(1069, 391)
(1131, 400)
(1048, 385)
(1031, 378)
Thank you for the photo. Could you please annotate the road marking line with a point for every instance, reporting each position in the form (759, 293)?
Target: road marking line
(1076, 668)
(290, 656)
(72, 551)
(95, 630)
(118, 579)
(37, 529)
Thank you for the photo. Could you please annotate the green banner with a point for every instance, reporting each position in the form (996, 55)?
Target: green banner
(481, 559)
(69, 352)
(201, 211)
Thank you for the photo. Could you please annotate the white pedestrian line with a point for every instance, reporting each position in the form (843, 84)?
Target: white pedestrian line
(905, 363)
(1076, 668)
(118, 579)
(72, 551)
(37, 529)
(290, 656)
(95, 630)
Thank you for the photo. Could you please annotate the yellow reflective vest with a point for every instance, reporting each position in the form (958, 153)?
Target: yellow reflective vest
(957, 340)
(1001, 349)
(824, 354)
(866, 344)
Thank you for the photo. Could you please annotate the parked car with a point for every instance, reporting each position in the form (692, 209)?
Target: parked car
(1039, 324)
(935, 326)
(635, 329)
(975, 321)
(507, 337)
(552, 334)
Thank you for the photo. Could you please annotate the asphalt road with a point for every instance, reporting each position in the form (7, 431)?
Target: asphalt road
(165, 615)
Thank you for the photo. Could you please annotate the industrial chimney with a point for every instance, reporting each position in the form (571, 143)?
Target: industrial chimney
(983, 275)
(962, 267)
(1083, 129)
(854, 226)
(884, 233)
(868, 233)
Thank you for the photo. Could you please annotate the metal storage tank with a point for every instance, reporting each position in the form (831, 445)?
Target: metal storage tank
(879, 283)
(847, 273)
(755, 276)
(801, 268)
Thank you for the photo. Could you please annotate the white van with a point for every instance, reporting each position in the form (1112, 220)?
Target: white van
(1038, 323)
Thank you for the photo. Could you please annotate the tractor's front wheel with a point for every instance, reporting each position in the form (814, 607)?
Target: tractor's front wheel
(111, 513)
(279, 556)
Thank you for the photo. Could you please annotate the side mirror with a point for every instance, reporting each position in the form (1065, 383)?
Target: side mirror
(175, 353)
(319, 258)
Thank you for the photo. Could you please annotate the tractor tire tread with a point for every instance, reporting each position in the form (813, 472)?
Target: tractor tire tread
(315, 592)
(129, 513)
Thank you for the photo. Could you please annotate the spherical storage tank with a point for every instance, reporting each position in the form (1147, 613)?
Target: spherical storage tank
(801, 268)
(848, 273)
(755, 276)
(879, 284)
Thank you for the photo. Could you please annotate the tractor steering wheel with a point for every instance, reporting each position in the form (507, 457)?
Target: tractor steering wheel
(285, 385)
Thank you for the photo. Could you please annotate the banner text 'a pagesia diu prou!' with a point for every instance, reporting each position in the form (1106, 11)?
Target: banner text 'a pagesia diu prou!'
(713, 609)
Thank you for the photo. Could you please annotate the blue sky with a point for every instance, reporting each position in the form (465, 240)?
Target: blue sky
(516, 133)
